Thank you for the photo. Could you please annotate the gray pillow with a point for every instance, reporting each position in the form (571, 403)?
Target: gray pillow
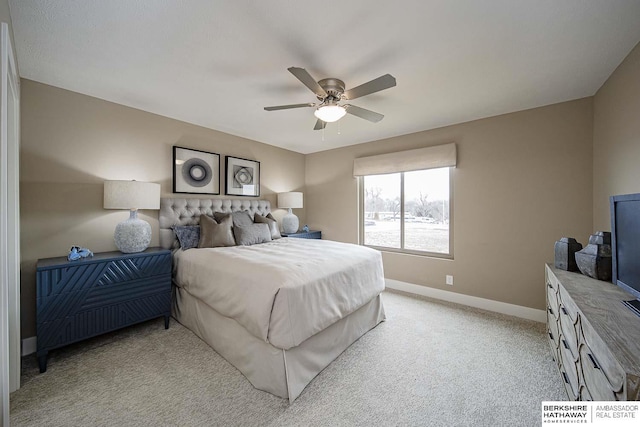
(188, 235)
(252, 234)
(213, 235)
(239, 218)
(271, 222)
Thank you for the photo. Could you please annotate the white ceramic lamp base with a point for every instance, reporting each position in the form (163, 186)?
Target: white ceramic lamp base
(132, 235)
(290, 223)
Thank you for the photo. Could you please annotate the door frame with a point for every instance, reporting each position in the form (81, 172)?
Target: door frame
(9, 223)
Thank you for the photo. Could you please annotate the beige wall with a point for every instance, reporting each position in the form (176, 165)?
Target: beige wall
(616, 138)
(523, 180)
(71, 143)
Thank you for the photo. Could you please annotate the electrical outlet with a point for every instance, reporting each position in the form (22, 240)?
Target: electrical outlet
(449, 280)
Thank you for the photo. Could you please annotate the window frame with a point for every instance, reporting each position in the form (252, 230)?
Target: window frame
(402, 250)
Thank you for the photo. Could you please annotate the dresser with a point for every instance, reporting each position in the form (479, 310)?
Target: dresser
(594, 338)
(311, 234)
(80, 299)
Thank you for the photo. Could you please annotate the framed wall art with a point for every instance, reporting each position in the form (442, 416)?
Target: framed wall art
(195, 171)
(243, 177)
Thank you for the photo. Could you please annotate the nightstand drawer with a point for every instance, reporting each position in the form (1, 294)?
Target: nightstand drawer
(101, 319)
(92, 297)
(99, 270)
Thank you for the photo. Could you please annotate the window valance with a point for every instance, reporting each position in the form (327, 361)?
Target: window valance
(438, 156)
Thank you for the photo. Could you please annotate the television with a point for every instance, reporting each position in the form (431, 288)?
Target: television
(625, 245)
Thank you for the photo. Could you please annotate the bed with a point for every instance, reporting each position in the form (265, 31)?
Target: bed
(279, 311)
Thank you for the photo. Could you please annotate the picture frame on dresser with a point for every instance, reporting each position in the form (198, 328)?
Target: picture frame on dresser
(195, 171)
(242, 177)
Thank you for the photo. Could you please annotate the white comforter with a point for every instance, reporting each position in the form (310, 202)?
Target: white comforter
(286, 290)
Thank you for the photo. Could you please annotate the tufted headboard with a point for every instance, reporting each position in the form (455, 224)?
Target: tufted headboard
(175, 211)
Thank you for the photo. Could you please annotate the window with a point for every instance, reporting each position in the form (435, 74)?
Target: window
(408, 211)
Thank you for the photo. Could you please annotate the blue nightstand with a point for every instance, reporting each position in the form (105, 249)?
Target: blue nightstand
(311, 234)
(81, 299)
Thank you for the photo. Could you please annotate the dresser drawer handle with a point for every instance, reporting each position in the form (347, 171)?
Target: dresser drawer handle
(551, 336)
(549, 286)
(564, 310)
(566, 378)
(550, 310)
(593, 361)
(564, 343)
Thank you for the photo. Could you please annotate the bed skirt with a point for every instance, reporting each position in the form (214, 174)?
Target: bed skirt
(284, 373)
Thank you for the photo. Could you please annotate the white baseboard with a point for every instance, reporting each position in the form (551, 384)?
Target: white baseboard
(485, 304)
(29, 346)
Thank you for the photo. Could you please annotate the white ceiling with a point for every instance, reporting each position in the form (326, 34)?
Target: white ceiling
(218, 63)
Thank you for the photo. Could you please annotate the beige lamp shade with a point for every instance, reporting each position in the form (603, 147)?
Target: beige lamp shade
(131, 195)
(291, 200)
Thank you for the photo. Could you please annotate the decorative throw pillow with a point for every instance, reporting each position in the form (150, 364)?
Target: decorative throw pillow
(271, 222)
(213, 234)
(188, 235)
(252, 234)
(239, 217)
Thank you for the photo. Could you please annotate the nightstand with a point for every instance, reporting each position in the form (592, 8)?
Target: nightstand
(311, 234)
(76, 300)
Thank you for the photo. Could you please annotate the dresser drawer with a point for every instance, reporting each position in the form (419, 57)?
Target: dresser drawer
(584, 394)
(595, 380)
(569, 371)
(599, 365)
(567, 307)
(569, 333)
(553, 306)
(554, 335)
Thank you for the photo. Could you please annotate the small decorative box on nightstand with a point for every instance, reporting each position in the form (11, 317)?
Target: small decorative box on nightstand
(80, 299)
(311, 234)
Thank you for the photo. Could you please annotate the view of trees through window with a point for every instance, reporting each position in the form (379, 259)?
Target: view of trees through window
(426, 210)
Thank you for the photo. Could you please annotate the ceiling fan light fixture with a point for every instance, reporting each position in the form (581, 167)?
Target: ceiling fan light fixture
(330, 113)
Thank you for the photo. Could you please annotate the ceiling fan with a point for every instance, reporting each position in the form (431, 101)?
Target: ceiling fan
(331, 91)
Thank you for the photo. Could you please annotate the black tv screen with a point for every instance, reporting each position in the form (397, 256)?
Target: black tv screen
(625, 242)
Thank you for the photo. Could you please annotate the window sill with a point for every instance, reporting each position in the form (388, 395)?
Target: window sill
(424, 254)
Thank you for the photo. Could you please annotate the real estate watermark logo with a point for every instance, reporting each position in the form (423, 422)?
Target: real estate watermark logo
(591, 413)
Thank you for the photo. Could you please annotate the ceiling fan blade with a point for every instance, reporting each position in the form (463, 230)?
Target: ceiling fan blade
(363, 113)
(373, 86)
(286, 107)
(306, 79)
(320, 125)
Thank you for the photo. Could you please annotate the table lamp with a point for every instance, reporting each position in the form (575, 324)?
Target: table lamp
(290, 200)
(133, 234)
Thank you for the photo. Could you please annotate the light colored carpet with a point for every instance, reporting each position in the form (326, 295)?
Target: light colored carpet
(431, 363)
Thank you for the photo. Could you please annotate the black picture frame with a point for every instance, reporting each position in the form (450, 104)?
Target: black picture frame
(195, 171)
(242, 177)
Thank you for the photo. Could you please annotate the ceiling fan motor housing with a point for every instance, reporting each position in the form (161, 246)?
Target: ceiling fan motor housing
(333, 87)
